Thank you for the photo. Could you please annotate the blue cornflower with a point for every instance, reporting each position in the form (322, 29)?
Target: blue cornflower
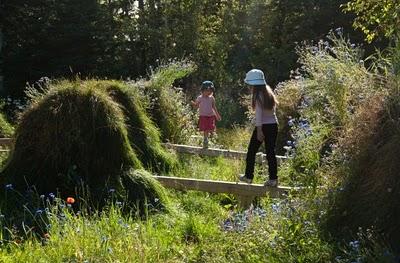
(275, 208)
(9, 187)
(339, 31)
(112, 190)
(355, 245)
(39, 211)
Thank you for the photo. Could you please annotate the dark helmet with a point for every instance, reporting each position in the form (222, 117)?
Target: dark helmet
(207, 85)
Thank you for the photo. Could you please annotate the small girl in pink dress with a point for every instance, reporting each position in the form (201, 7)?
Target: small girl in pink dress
(207, 110)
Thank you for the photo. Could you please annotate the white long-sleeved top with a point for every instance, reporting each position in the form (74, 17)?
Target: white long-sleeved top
(265, 116)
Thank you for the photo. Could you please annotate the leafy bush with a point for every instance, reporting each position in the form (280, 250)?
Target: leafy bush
(371, 182)
(336, 78)
(345, 138)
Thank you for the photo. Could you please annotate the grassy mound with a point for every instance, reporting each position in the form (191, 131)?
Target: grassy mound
(6, 130)
(371, 195)
(143, 135)
(74, 135)
(144, 192)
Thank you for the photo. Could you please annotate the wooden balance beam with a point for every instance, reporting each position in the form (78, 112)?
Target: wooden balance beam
(260, 157)
(244, 192)
(6, 144)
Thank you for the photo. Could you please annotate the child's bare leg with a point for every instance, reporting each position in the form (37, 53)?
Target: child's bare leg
(205, 141)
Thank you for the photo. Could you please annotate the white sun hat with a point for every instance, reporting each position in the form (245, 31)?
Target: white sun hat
(255, 77)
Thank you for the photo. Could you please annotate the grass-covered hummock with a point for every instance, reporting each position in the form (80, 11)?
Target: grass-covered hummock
(143, 135)
(73, 139)
(144, 193)
(73, 134)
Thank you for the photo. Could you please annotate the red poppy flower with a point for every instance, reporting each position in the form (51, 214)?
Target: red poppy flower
(70, 200)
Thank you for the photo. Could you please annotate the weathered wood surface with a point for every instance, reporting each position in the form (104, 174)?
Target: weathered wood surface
(260, 157)
(6, 142)
(211, 186)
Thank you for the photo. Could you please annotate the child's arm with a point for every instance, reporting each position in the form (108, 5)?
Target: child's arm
(195, 103)
(217, 115)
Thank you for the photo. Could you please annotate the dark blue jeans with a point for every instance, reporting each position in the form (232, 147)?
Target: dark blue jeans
(270, 132)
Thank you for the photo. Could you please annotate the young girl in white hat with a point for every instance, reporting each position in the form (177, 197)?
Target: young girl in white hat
(264, 103)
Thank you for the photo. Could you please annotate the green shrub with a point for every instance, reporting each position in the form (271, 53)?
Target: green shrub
(336, 79)
(353, 116)
(371, 179)
(289, 95)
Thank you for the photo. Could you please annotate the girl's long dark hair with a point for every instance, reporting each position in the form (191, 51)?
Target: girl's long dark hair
(263, 95)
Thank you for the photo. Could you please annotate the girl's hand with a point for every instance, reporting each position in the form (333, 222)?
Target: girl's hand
(194, 104)
(218, 117)
(260, 135)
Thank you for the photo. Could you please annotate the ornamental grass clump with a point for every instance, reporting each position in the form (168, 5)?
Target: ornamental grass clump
(73, 141)
(168, 108)
(370, 195)
(144, 137)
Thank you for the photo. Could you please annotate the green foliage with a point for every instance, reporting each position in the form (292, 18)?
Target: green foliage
(376, 18)
(337, 80)
(6, 129)
(289, 97)
(345, 140)
(168, 108)
(372, 170)
(288, 231)
(121, 39)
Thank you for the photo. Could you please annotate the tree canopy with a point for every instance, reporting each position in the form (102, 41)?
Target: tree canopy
(376, 18)
(121, 38)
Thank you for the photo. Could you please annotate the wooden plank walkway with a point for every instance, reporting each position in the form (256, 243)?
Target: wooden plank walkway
(260, 157)
(212, 186)
(245, 193)
(6, 142)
